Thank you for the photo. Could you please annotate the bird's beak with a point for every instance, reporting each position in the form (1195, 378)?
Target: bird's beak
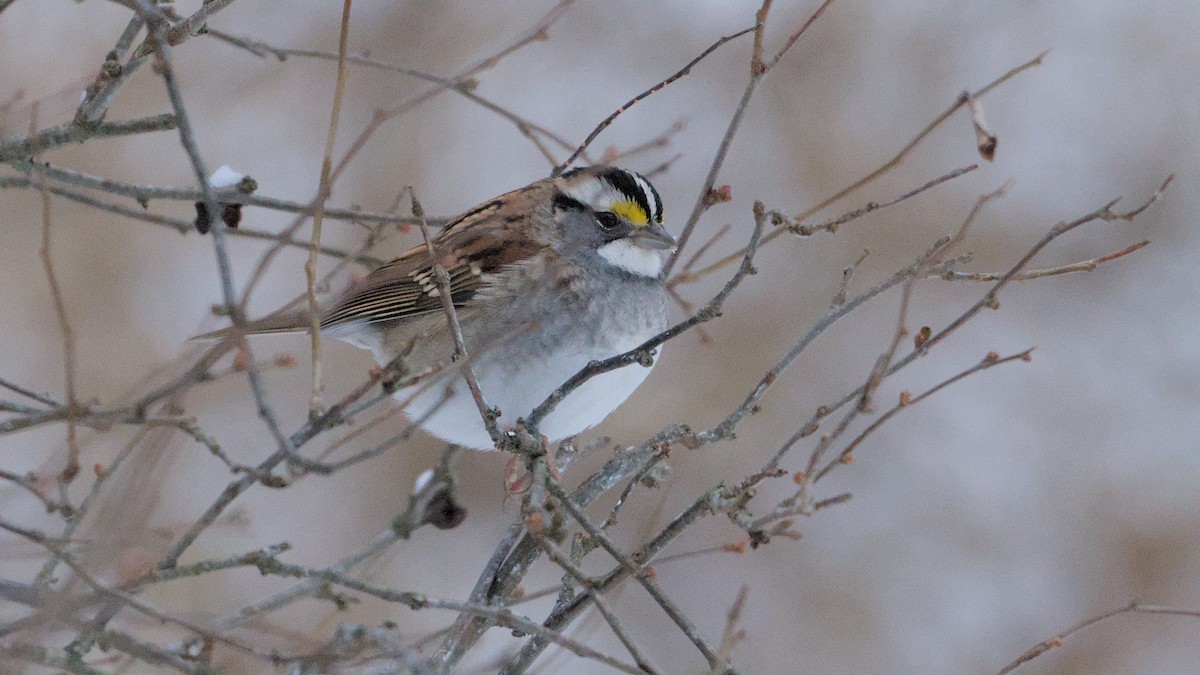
(653, 237)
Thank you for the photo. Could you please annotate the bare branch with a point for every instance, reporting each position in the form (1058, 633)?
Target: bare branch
(1104, 213)
(896, 160)
(758, 70)
(651, 586)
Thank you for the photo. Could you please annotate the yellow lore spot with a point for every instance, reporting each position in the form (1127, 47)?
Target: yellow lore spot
(631, 211)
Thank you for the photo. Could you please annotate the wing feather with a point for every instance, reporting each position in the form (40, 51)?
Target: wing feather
(483, 241)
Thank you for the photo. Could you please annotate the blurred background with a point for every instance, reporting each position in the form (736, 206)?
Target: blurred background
(984, 520)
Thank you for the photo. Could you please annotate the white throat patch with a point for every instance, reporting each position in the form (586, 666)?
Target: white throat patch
(633, 258)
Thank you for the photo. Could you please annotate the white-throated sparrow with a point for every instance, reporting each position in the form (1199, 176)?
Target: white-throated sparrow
(544, 279)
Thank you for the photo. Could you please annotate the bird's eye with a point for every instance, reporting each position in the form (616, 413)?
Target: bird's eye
(607, 220)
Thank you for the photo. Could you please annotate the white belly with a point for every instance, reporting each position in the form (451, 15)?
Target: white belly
(517, 388)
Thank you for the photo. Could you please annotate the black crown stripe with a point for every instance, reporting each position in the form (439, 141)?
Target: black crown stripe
(627, 185)
(564, 203)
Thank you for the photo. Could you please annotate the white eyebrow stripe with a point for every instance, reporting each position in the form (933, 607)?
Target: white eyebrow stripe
(586, 191)
(651, 196)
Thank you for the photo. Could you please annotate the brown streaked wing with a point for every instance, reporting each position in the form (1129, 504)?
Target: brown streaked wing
(481, 241)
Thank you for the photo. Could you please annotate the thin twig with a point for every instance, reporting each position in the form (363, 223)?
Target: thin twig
(179, 225)
(144, 193)
(732, 634)
(677, 616)
(71, 469)
(662, 140)
(601, 604)
(687, 266)
(464, 87)
(562, 616)
(99, 97)
(907, 401)
(892, 163)
(445, 294)
(839, 298)
(1104, 213)
(310, 268)
(758, 71)
(604, 124)
(800, 503)
(1057, 641)
(65, 134)
(832, 225)
(29, 393)
(1081, 266)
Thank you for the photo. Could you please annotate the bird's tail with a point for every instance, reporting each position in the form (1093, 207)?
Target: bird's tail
(277, 323)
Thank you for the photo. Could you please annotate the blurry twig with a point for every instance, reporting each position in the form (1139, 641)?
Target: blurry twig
(732, 635)
(71, 469)
(464, 87)
(100, 95)
(144, 193)
(28, 393)
(29, 483)
(1057, 641)
(660, 141)
(687, 266)
(23, 148)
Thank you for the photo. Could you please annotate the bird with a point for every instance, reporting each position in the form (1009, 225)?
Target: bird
(544, 280)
